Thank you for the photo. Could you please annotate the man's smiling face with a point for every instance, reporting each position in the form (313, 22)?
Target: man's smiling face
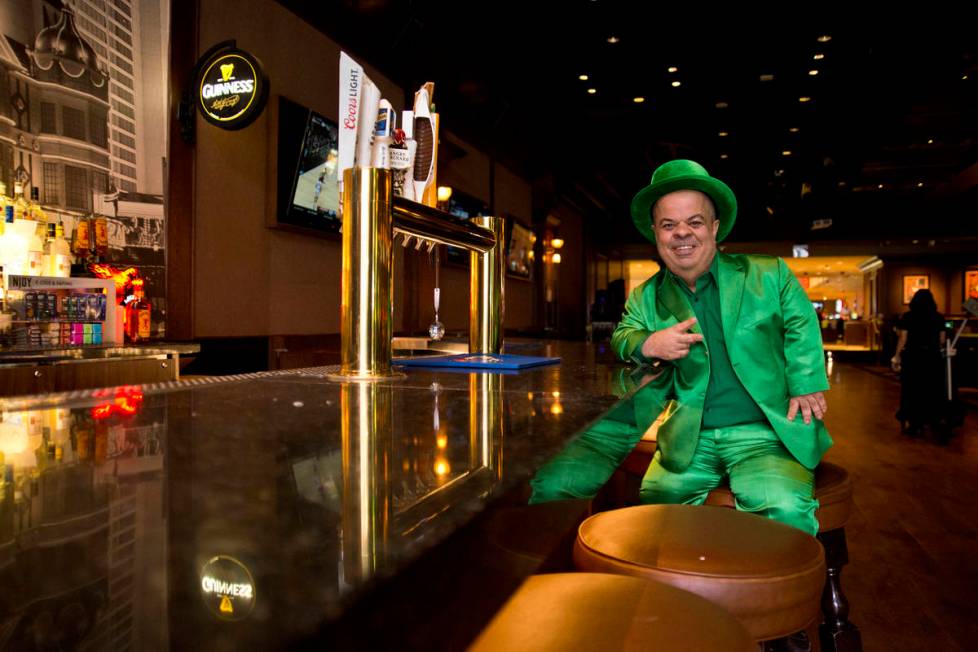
(686, 232)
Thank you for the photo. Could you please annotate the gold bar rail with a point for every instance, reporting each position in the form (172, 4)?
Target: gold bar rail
(371, 216)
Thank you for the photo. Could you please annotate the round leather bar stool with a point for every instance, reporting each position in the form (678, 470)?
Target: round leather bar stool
(833, 490)
(767, 574)
(597, 611)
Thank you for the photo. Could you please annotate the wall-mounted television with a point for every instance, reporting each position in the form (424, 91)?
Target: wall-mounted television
(464, 207)
(308, 192)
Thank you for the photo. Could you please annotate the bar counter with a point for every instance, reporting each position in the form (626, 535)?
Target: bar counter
(280, 510)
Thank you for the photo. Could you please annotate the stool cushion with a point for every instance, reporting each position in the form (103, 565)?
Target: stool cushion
(767, 574)
(833, 490)
(595, 611)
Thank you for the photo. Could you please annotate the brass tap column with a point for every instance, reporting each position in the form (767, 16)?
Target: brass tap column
(367, 426)
(486, 308)
(366, 319)
(486, 415)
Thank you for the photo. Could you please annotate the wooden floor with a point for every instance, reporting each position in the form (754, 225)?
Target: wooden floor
(912, 579)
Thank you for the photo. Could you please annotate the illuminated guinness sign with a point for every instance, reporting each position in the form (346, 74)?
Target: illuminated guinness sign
(232, 88)
(228, 588)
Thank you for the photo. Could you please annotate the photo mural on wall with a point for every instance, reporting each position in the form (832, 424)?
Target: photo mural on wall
(83, 115)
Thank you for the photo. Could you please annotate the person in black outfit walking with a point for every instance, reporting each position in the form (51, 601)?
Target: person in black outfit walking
(918, 358)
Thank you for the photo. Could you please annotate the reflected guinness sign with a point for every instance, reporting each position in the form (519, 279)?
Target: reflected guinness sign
(228, 588)
(232, 89)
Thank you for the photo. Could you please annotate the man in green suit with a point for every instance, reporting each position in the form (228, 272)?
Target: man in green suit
(738, 351)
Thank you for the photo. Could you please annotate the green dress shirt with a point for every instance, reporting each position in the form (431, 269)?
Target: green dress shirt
(727, 402)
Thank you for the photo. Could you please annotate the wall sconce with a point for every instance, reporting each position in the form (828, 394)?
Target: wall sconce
(551, 248)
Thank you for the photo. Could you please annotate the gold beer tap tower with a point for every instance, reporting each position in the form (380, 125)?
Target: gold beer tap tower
(372, 217)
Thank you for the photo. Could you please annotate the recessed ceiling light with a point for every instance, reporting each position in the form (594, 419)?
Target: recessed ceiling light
(824, 38)
(638, 100)
(930, 141)
(723, 134)
(786, 152)
(804, 98)
(920, 184)
(676, 84)
(819, 57)
(813, 72)
(592, 91)
(673, 69)
(880, 186)
(724, 156)
(722, 105)
(613, 39)
(582, 77)
(767, 77)
(793, 130)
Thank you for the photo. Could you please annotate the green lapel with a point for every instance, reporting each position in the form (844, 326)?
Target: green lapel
(674, 300)
(731, 284)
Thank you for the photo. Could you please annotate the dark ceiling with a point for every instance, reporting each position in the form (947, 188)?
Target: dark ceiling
(882, 148)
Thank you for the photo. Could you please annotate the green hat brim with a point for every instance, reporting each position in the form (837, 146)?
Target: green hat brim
(721, 194)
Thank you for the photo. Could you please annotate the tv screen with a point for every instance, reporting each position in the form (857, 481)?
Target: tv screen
(308, 188)
(463, 206)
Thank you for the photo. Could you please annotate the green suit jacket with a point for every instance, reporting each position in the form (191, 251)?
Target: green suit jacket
(773, 342)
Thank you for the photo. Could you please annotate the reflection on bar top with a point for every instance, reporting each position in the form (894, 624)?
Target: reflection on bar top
(296, 477)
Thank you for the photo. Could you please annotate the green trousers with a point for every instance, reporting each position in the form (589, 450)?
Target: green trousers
(586, 463)
(764, 477)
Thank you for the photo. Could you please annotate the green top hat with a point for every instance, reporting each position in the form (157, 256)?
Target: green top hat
(683, 175)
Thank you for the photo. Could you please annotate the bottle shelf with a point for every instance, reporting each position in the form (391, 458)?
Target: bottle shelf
(57, 321)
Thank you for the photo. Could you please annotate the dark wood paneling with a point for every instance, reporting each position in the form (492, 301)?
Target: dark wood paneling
(38, 379)
(111, 373)
(15, 381)
(180, 178)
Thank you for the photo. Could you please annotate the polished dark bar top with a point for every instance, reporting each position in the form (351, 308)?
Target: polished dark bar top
(275, 510)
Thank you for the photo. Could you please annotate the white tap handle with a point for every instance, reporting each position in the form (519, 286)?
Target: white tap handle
(437, 299)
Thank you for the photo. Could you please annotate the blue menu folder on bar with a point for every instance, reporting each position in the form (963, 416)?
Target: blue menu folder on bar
(478, 361)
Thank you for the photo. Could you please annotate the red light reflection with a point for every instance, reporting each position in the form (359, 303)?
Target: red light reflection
(126, 403)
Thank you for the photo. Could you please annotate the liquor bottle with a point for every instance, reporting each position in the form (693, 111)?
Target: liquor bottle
(21, 206)
(81, 239)
(101, 239)
(13, 246)
(82, 436)
(138, 315)
(81, 246)
(35, 252)
(57, 252)
(34, 208)
(7, 316)
(6, 215)
(46, 265)
(101, 441)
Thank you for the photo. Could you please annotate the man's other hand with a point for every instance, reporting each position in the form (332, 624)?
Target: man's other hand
(809, 404)
(671, 343)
